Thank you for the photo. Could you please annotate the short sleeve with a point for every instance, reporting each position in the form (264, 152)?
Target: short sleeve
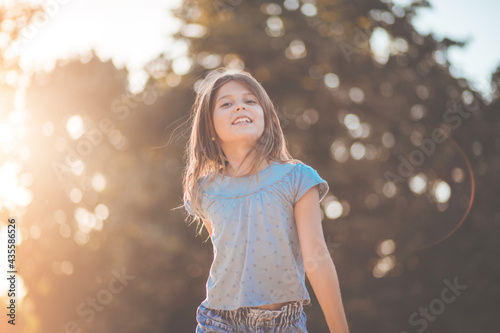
(188, 206)
(305, 178)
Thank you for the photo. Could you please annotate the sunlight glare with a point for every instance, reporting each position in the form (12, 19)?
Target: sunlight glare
(182, 65)
(24, 153)
(4, 283)
(6, 133)
(48, 128)
(11, 193)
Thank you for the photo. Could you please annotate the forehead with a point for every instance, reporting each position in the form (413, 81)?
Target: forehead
(232, 87)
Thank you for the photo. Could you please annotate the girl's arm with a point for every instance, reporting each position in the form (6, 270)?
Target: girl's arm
(318, 263)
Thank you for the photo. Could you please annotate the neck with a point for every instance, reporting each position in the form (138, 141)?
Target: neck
(244, 169)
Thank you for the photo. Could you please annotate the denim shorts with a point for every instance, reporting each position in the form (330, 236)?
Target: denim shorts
(290, 318)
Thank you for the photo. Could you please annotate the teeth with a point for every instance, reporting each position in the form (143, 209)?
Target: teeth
(240, 120)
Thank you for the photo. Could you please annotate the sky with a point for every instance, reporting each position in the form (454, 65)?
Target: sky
(128, 32)
(476, 21)
(132, 32)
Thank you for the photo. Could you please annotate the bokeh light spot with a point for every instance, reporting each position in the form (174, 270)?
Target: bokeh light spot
(102, 211)
(386, 247)
(333, 210)
(75, 127)
(98, 182)
(418, 183)
(332, 80)
(442, 191)
(75, 195)
(48, 129)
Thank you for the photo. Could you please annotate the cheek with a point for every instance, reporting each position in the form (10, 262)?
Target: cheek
(219, 120)
(262, 119)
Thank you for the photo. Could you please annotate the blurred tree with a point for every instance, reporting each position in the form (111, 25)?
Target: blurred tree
(102, 181)
(16, 22)
(374, 107)
(495, 82)
(16, 18)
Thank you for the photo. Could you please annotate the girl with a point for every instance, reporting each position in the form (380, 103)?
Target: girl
(261, 210)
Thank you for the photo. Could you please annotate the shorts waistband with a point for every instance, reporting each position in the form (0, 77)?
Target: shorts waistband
(287, 314)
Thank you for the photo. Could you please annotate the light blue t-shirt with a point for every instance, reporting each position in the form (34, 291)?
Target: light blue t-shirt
(257, 254)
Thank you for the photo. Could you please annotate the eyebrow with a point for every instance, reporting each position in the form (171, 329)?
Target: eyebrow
(247, 93)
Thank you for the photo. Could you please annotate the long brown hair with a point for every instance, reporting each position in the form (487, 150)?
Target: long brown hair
(205, 156)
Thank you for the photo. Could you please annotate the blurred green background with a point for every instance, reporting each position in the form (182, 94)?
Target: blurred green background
(92, 170)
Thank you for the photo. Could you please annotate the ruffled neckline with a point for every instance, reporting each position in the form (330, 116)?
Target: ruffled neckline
(234, 187)
(260, 173)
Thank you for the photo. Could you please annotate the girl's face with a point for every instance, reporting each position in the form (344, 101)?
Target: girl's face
(232, 101)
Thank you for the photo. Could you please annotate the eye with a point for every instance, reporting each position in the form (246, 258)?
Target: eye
(251, 101)
(225, 104)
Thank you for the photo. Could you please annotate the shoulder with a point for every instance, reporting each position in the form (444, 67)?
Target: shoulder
(303, 168)
(205, 180)
(295, 170)
(306, 177)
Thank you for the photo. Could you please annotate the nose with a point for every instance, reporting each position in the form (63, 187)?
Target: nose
(238, 108)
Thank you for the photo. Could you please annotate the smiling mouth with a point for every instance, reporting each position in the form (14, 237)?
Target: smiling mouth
(245, 120)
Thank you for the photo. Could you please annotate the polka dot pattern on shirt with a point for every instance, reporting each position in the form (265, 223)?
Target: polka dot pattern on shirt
(257, 257)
